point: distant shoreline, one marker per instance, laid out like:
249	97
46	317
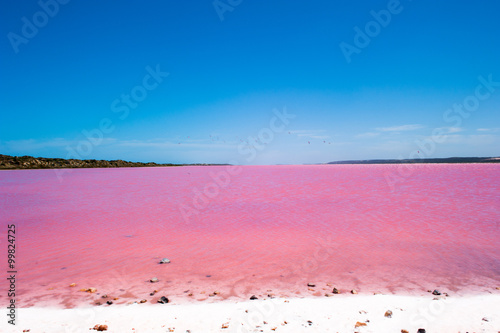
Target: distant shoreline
424	160
8	162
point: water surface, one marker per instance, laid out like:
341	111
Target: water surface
265	230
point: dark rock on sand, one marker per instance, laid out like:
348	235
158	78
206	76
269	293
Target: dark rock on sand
253	297
388	314
109	302
312	285
154	280
163	300
421	330
436	292
165	261
335	291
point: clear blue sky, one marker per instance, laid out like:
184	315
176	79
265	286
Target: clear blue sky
231	66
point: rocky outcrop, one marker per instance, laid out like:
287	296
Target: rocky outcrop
29	162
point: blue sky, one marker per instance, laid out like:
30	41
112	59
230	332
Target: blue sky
67	68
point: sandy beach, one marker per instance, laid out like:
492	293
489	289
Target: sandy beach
339	313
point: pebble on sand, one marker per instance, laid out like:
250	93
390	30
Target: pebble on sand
165	261
354	291
335	291
436	292
253	297
73	285
388	314
312	285
100	327
163	300
359	324
421	330
154	280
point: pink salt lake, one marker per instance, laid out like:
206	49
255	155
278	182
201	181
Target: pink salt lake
271	228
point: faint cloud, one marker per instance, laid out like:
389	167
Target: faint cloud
40	147
313	134
455	129
490	130
473	140
368	135
400	128
31	145
450	130
168	144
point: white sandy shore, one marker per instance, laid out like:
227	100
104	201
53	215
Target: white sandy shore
339	313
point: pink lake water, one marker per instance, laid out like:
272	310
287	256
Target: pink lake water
268	230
